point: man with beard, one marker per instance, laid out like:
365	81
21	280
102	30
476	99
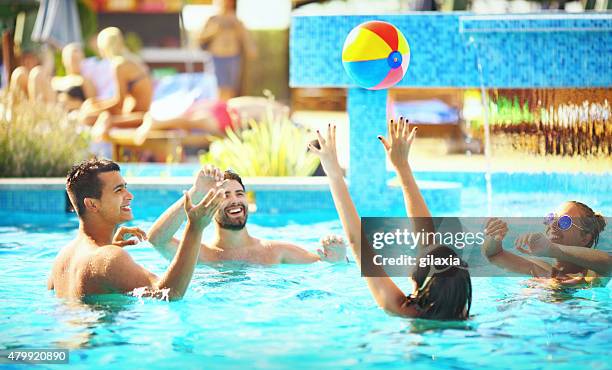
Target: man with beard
232	241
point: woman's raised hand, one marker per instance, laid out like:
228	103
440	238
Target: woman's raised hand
397	144
327	152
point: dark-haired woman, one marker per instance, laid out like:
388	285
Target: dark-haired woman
440	292
570	237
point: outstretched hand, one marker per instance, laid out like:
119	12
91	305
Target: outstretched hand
123	236
397	144
535	244
334	249
327	152
496	229
207	178
203	212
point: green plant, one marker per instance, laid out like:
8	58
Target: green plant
509	112
273	147
37	139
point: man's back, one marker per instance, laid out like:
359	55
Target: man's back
72	276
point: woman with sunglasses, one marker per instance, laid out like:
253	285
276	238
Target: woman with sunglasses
570	237
440	292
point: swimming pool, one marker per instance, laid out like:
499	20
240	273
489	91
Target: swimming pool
308	316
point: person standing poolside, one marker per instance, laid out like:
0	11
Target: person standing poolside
226	38
232	240
95	262
441	292
570	236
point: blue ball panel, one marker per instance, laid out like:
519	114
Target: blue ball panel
368	73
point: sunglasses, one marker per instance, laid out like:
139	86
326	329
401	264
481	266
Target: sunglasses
564	222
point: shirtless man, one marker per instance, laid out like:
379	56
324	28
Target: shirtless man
232	241
95	262
228	41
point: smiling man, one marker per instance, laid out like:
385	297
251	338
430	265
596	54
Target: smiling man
232	241
94	262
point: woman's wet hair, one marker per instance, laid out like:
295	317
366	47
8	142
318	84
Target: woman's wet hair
444	293
593	221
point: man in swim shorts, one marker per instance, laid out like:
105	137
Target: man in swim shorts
95	262
232	240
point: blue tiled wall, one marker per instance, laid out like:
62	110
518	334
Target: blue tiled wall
39	201
528	51
549	50
151	202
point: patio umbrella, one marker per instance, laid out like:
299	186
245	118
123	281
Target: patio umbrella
57	23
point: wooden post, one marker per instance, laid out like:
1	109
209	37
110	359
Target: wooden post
8	55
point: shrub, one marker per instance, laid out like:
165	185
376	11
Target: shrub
272	147
37	139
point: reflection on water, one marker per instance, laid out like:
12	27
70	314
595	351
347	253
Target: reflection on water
87	319
420	326
563	122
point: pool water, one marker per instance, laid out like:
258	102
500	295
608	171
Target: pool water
318	315
295	316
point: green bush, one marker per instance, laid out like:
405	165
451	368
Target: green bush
37	139
273	147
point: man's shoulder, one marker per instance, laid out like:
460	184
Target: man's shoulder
278	243
282	248
277	246
107	255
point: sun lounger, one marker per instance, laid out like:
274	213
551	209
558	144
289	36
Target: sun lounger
160	146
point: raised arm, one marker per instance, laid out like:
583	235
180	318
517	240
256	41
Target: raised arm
386	294
122	274
495	232
539	245
161	235
397	146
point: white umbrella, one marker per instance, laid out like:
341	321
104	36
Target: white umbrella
57	23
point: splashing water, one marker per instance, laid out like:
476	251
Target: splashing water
142	292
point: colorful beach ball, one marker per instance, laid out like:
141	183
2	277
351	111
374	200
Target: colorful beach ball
376	55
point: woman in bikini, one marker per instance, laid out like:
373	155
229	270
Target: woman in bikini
133	88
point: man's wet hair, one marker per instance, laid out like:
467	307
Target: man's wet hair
83	181
231	175
444	295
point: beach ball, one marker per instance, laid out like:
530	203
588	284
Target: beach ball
376	55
